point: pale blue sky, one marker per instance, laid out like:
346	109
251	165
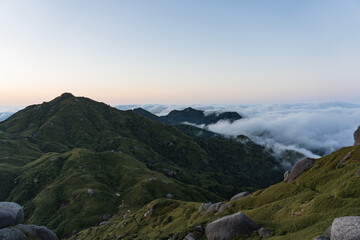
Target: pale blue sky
179	52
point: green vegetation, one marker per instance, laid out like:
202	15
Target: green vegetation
52	154
300	210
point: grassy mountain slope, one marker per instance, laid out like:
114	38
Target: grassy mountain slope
54	188
300	210
69	122
52	153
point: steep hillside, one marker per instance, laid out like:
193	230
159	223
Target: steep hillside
74	162
299	210
81	188
69	122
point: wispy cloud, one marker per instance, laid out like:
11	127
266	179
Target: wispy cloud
311	128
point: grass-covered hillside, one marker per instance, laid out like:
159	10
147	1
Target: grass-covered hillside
300	210
81	188
51	154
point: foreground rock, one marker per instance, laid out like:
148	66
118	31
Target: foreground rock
300	167
11	234
263	232
346	228
40	232
357	137
230	226
11	217
239	195
10	214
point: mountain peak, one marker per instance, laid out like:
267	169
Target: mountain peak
66	95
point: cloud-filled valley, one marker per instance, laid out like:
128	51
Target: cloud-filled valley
311	128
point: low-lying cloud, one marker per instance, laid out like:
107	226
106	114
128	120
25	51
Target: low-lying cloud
313	129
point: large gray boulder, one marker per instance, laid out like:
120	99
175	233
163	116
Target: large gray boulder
300	167
346	228
40	232
10	214
239	195
11	234
357	137
230	226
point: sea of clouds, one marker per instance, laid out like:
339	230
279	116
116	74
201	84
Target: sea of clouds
314	129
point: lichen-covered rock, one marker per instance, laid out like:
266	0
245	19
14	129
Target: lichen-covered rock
239	195
11	234
40	232
300	167
357	137
230	226
263	232
10	214
346	228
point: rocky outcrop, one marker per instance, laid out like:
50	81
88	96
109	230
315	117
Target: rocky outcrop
211	208
230	226
11	217
357	137
10	214
300	167
346	228
40	232
12	234
264	233
239	195
347	156
204	206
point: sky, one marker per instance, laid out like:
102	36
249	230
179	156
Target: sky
180	52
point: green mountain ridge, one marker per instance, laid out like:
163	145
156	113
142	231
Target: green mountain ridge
51	154
190	115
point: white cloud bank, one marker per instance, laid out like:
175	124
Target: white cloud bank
311	128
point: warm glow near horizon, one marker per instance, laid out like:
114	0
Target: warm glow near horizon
179	52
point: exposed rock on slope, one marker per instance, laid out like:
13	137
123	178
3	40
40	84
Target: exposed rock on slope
300	167
239	195
346	228
230	226
357	137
